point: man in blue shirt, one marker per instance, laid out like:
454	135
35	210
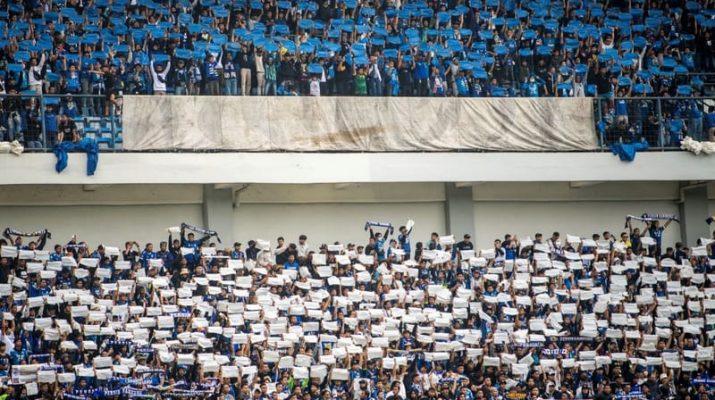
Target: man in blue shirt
380	243
291	263
422	75
236	253
531	88
147	254
404	239
191	243
165	255
433	244
656	232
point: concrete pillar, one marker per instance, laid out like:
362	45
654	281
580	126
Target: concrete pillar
693	211
459	210
217	210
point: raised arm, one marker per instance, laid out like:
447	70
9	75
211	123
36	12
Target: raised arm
43	240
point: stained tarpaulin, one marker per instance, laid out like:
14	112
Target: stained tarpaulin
358	123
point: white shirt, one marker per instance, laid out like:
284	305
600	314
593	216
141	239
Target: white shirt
303	250
160	84
37	69
315	88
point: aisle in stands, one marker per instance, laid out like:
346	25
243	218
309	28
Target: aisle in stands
553	317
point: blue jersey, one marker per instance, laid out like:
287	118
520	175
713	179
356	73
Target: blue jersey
380	248
621	107
405	244
191	258
656	234
293	266
146	256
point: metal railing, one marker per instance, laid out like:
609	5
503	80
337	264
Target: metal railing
33	120
662	122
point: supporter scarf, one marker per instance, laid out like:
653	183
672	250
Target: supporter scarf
652	217
189	393
132	392
129	381
145	350
181	315
41	232
553	352
709	382
564	339
153	371
119	343
201	230
73	397
85	392
633	396
388	225
710	219
529	344
110	393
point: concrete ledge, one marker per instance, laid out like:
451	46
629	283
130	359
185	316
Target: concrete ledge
211	168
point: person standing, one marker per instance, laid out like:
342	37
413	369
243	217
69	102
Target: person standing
260	73
246	62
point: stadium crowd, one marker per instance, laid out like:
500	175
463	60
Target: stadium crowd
479	48
607	317
476	48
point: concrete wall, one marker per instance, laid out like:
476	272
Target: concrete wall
112	225
577	209
583	218
328	212
101	214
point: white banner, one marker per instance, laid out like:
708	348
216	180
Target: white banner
358	123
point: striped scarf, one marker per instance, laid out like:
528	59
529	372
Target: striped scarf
201	230
652	217
41	232
388	225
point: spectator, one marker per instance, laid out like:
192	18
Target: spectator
159	77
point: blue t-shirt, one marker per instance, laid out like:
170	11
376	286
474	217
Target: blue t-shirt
405	244
421	70
621	107
710	120
293	266
146	256
656	234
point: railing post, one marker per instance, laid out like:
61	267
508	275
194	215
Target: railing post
601	140
42	121
661	129
112	115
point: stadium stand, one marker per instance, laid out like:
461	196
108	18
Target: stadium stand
239	114
490	48
101	50
557	317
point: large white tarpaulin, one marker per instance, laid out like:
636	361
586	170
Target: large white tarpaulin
358	123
